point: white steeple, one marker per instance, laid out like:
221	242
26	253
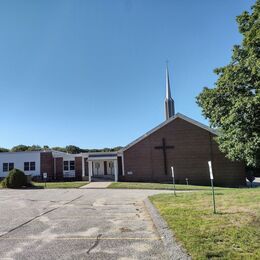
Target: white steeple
168	90
169	103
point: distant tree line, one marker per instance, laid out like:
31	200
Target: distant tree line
68	149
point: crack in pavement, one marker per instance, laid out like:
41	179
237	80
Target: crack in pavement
38	216
53	201
95	244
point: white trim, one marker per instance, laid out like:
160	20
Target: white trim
90	170
116	170
83	166
21	152
123	164
178	115
102	158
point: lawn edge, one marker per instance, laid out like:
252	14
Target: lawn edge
155	189
174	249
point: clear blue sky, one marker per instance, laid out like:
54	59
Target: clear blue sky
92	73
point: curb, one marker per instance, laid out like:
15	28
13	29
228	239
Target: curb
174	250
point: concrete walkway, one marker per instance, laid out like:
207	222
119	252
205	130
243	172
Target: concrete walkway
97	185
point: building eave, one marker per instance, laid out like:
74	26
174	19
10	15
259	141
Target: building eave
178	115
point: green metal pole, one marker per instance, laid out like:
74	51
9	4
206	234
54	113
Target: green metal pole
213	196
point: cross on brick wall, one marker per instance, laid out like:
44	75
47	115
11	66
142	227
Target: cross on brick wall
164	148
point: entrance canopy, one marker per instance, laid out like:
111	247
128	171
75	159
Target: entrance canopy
103	165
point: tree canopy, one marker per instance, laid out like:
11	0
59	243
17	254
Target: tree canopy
233	105
3	150
68	149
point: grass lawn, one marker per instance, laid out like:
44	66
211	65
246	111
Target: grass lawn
232	233
156	186
60	185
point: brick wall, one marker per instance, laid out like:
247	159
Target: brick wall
59	168
78	168
47	164
193	148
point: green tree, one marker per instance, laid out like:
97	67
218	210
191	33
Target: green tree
60	149
72	149
233	105
3	150
19	148
34	148
46	147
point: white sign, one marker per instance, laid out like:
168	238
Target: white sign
210	170
172	172
45	175
69	174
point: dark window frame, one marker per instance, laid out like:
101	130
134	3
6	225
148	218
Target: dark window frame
72	165
10	166
32	166
26	166
5	167
65	165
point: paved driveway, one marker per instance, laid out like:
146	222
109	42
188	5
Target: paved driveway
77	224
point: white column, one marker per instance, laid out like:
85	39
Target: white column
116	170
83	167
123	165
89	170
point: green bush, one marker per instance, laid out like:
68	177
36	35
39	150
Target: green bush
15	179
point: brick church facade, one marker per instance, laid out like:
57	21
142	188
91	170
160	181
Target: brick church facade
192	145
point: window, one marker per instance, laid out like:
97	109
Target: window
11	166
111	165
68	165
65	165
32	166
8	167
29	166
5	167
26	166
72	165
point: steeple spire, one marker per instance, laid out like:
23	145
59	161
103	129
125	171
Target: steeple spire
168	90
169	103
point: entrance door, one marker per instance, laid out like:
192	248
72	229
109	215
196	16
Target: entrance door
98	168
110	168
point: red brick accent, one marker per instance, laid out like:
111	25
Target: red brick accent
47	164
193	148
78	168
59	168
119	163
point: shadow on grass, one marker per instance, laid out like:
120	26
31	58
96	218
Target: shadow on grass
28	187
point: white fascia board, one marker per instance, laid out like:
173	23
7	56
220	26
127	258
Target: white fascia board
102	158
178	115
20	152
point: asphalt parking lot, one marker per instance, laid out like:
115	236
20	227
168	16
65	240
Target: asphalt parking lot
77	224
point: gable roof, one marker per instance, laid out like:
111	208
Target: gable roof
178	115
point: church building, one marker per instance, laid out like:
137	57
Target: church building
179	142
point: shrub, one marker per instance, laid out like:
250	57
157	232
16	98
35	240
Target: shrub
15	179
